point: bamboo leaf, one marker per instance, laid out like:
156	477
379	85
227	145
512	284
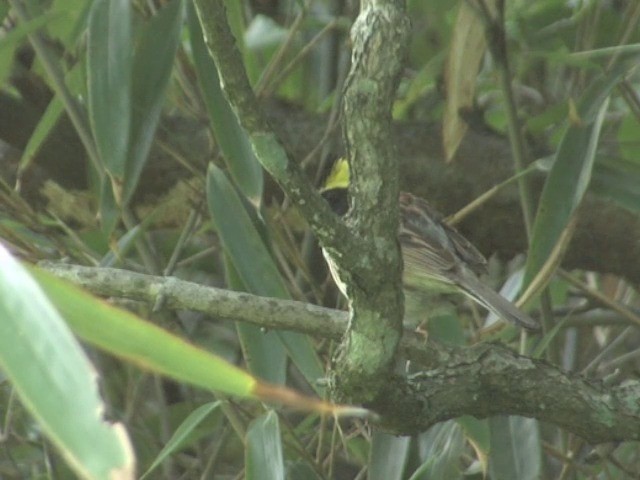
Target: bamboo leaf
55	380
109	50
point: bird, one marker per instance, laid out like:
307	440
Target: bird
437	259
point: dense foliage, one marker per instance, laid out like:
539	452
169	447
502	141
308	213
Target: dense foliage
119	149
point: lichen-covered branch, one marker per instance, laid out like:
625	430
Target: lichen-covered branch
379	37
481	380
371	255
489	379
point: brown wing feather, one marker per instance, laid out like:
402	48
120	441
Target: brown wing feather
439	258
422	225
451	259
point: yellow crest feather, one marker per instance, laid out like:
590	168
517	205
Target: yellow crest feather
339	175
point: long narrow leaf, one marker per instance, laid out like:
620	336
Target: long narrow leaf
570	175
241	239
126	336
109	50
48	120
177	440
13	38
619	181
468	45
388	456
153	62
264	449
262	350
148	346
255	267
516	450
229	135
55	380
440	448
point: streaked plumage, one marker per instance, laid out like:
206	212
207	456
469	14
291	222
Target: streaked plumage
437	259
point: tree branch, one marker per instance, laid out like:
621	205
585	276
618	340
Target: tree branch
329	230
379	37
489	379
481	380
179	294
372	254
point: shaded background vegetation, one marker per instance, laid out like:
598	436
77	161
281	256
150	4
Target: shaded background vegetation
168	216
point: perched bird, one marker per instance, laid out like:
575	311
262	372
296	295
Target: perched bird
437	259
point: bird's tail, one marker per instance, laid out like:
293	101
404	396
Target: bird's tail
496	303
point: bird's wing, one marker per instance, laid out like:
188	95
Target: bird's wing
425	235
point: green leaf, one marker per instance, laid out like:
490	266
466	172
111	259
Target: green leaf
230	136
4	10
123	246
178	438
478	430
153	62
516	449
439	448
570	174
388	456
444	325
142	343
255	268
109	49
299	470
462	67
240	238
263	351
628	134
263	456
55	380
626	51
46	123
109	212
478	433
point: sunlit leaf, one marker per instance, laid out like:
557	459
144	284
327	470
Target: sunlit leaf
124	335
55	380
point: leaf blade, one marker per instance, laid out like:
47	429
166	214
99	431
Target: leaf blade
54	379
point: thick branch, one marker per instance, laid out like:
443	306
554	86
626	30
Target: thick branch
381	33
489	379
379	37
481	380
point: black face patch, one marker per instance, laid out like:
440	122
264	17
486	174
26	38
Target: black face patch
338	200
